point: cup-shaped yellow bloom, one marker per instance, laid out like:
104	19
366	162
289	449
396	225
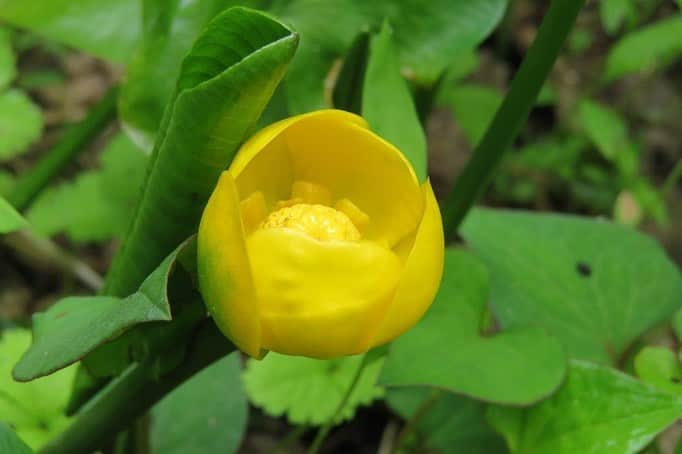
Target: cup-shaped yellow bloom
319	240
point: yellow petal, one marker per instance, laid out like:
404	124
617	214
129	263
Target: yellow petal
421	275
356	164
224	270
335	149
320	298
263	164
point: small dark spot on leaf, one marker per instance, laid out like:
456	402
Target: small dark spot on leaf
60	315
583	269
43	425
675	380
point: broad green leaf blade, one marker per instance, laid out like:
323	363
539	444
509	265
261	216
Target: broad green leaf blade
448	423
661	368
473	106
387	103
100	27
447	351
604	127
598	410
429	34
8	68
595	285
205	414
109	193
169	29
10	220
308	391
75	326
35	410
647	49
21	123
224	84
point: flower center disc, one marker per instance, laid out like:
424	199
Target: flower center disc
318	221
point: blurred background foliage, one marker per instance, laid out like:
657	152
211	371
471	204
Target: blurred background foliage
603	140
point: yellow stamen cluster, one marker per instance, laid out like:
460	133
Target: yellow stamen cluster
318	221
306	211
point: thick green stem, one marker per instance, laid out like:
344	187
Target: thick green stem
324	430
134	392
512	113
74	140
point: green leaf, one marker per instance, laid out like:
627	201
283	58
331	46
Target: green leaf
309	390
11	443
35	410
647	49
429	34
109	193
223	86
598	410
595	285
102	28
614	12
8	68
10	220
205	414
661	368
604	127
21	123
447	351
348	86
447	422
387	103
75	326
169	29
473	106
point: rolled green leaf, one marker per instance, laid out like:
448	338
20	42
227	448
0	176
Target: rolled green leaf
224	84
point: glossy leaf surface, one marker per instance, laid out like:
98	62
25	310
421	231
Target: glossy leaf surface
446	349
597	410
594	285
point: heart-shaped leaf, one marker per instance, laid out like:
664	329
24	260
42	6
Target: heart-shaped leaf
447	350
309	390
598	410
594	285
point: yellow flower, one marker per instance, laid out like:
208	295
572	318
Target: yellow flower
319	240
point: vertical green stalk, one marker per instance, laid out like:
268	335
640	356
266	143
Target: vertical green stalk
324	430
74	141
513	112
